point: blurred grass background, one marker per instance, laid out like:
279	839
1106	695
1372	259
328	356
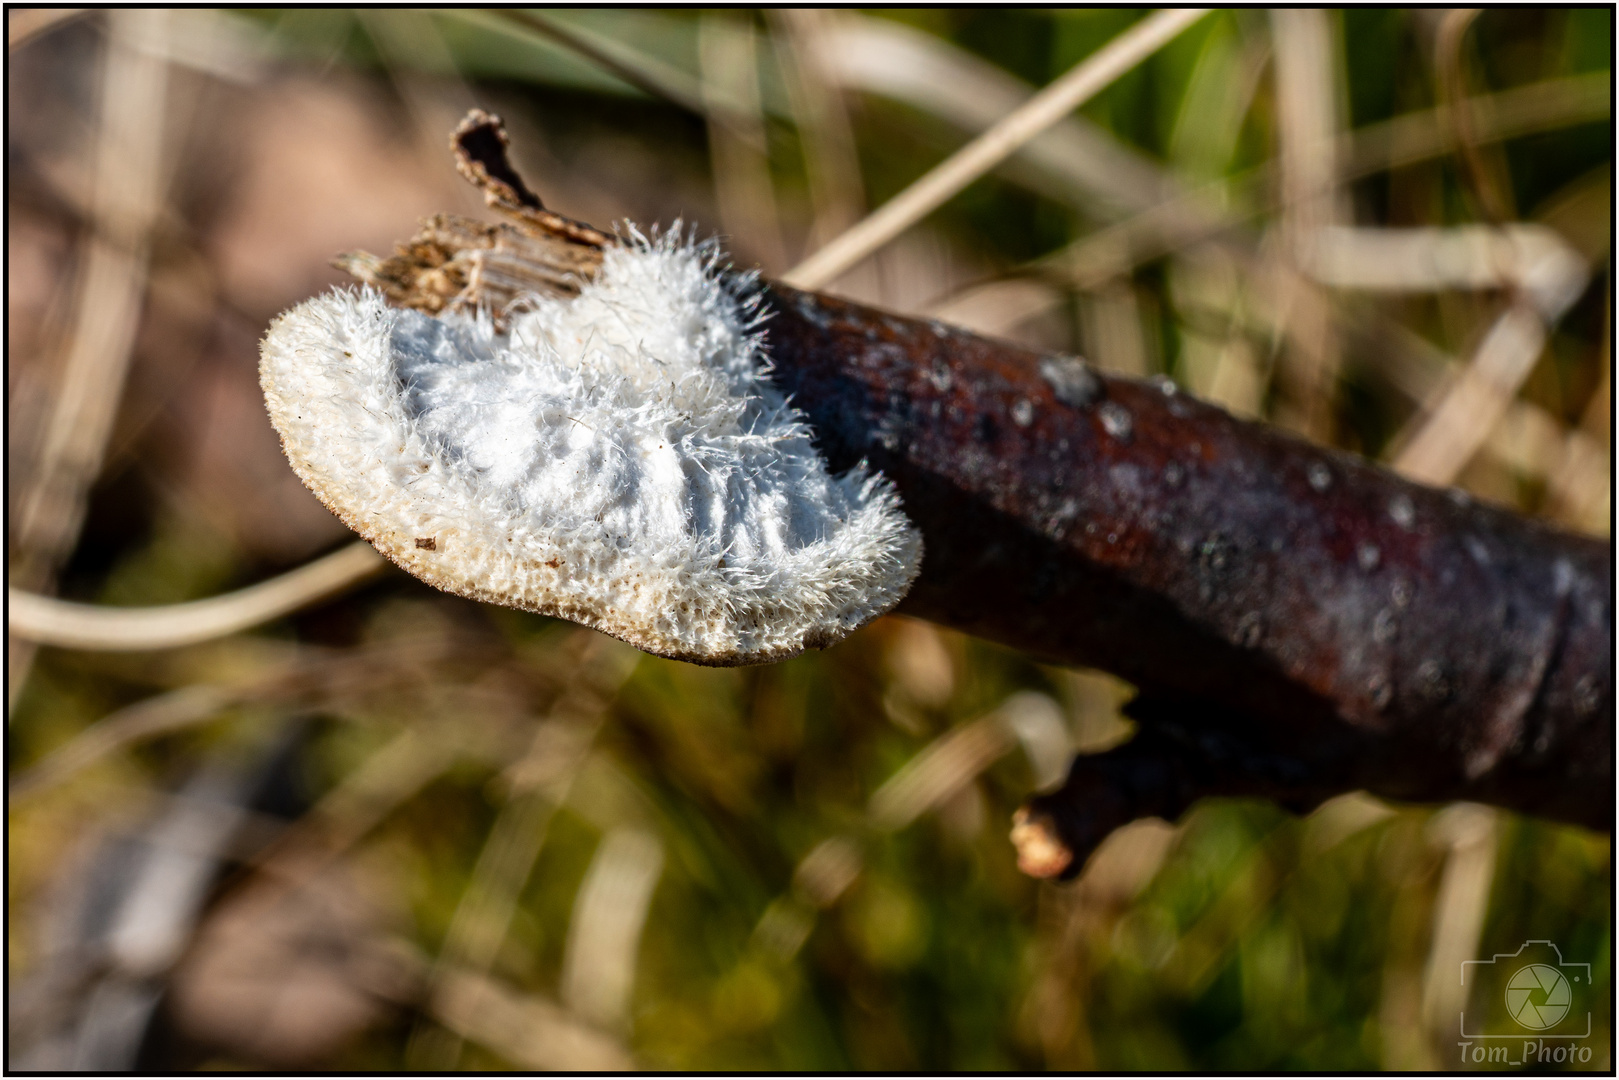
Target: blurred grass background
462	837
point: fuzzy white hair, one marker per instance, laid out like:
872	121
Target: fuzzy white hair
620	458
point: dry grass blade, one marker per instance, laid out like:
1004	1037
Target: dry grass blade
160	715
929	780
652	79
1469	410
1038	723
305	679
541	781
1194	216
483	916
1307	126
727	53
107	629
938	771
1531	257
1073	161
1523	110
993	308
1468	833
837	191
526	1030
598	966
1546	277
819	880
126	200
1450	63
647	74
1064	95
1307	120
1581	488
953	760
360	801
422	68
1528	439
829	869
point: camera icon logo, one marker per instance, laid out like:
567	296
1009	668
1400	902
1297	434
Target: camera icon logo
1530	1008
1538	996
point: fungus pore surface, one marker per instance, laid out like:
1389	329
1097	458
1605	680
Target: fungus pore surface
619	458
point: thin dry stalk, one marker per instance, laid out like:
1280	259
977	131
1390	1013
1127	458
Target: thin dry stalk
164	714
1198	215
994	308
1532	258
1451	434
1074	161
527	1030
1449	65
1523	110
127	198
1061	97
560	746
1528	439
938	771
836	188
306	679
94	627
1079	162
727	52
1113	328
483	917
422	69
609	912
642	72
126	202
1307	129
645	73
929	781
360	802
1467	831
1581	489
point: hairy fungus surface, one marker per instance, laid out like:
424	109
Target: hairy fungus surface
618	457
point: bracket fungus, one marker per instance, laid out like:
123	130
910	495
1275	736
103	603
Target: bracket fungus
540	415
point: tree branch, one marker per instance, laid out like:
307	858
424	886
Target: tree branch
1300	623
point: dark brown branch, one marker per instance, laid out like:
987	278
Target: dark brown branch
1300	623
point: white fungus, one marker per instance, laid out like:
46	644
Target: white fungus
619	458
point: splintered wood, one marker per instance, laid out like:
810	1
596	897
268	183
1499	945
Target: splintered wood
456	263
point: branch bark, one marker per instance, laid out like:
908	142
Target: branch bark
1300	623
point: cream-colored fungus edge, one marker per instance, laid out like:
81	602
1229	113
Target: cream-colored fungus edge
619	458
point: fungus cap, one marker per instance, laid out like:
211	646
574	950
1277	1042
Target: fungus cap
619	458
